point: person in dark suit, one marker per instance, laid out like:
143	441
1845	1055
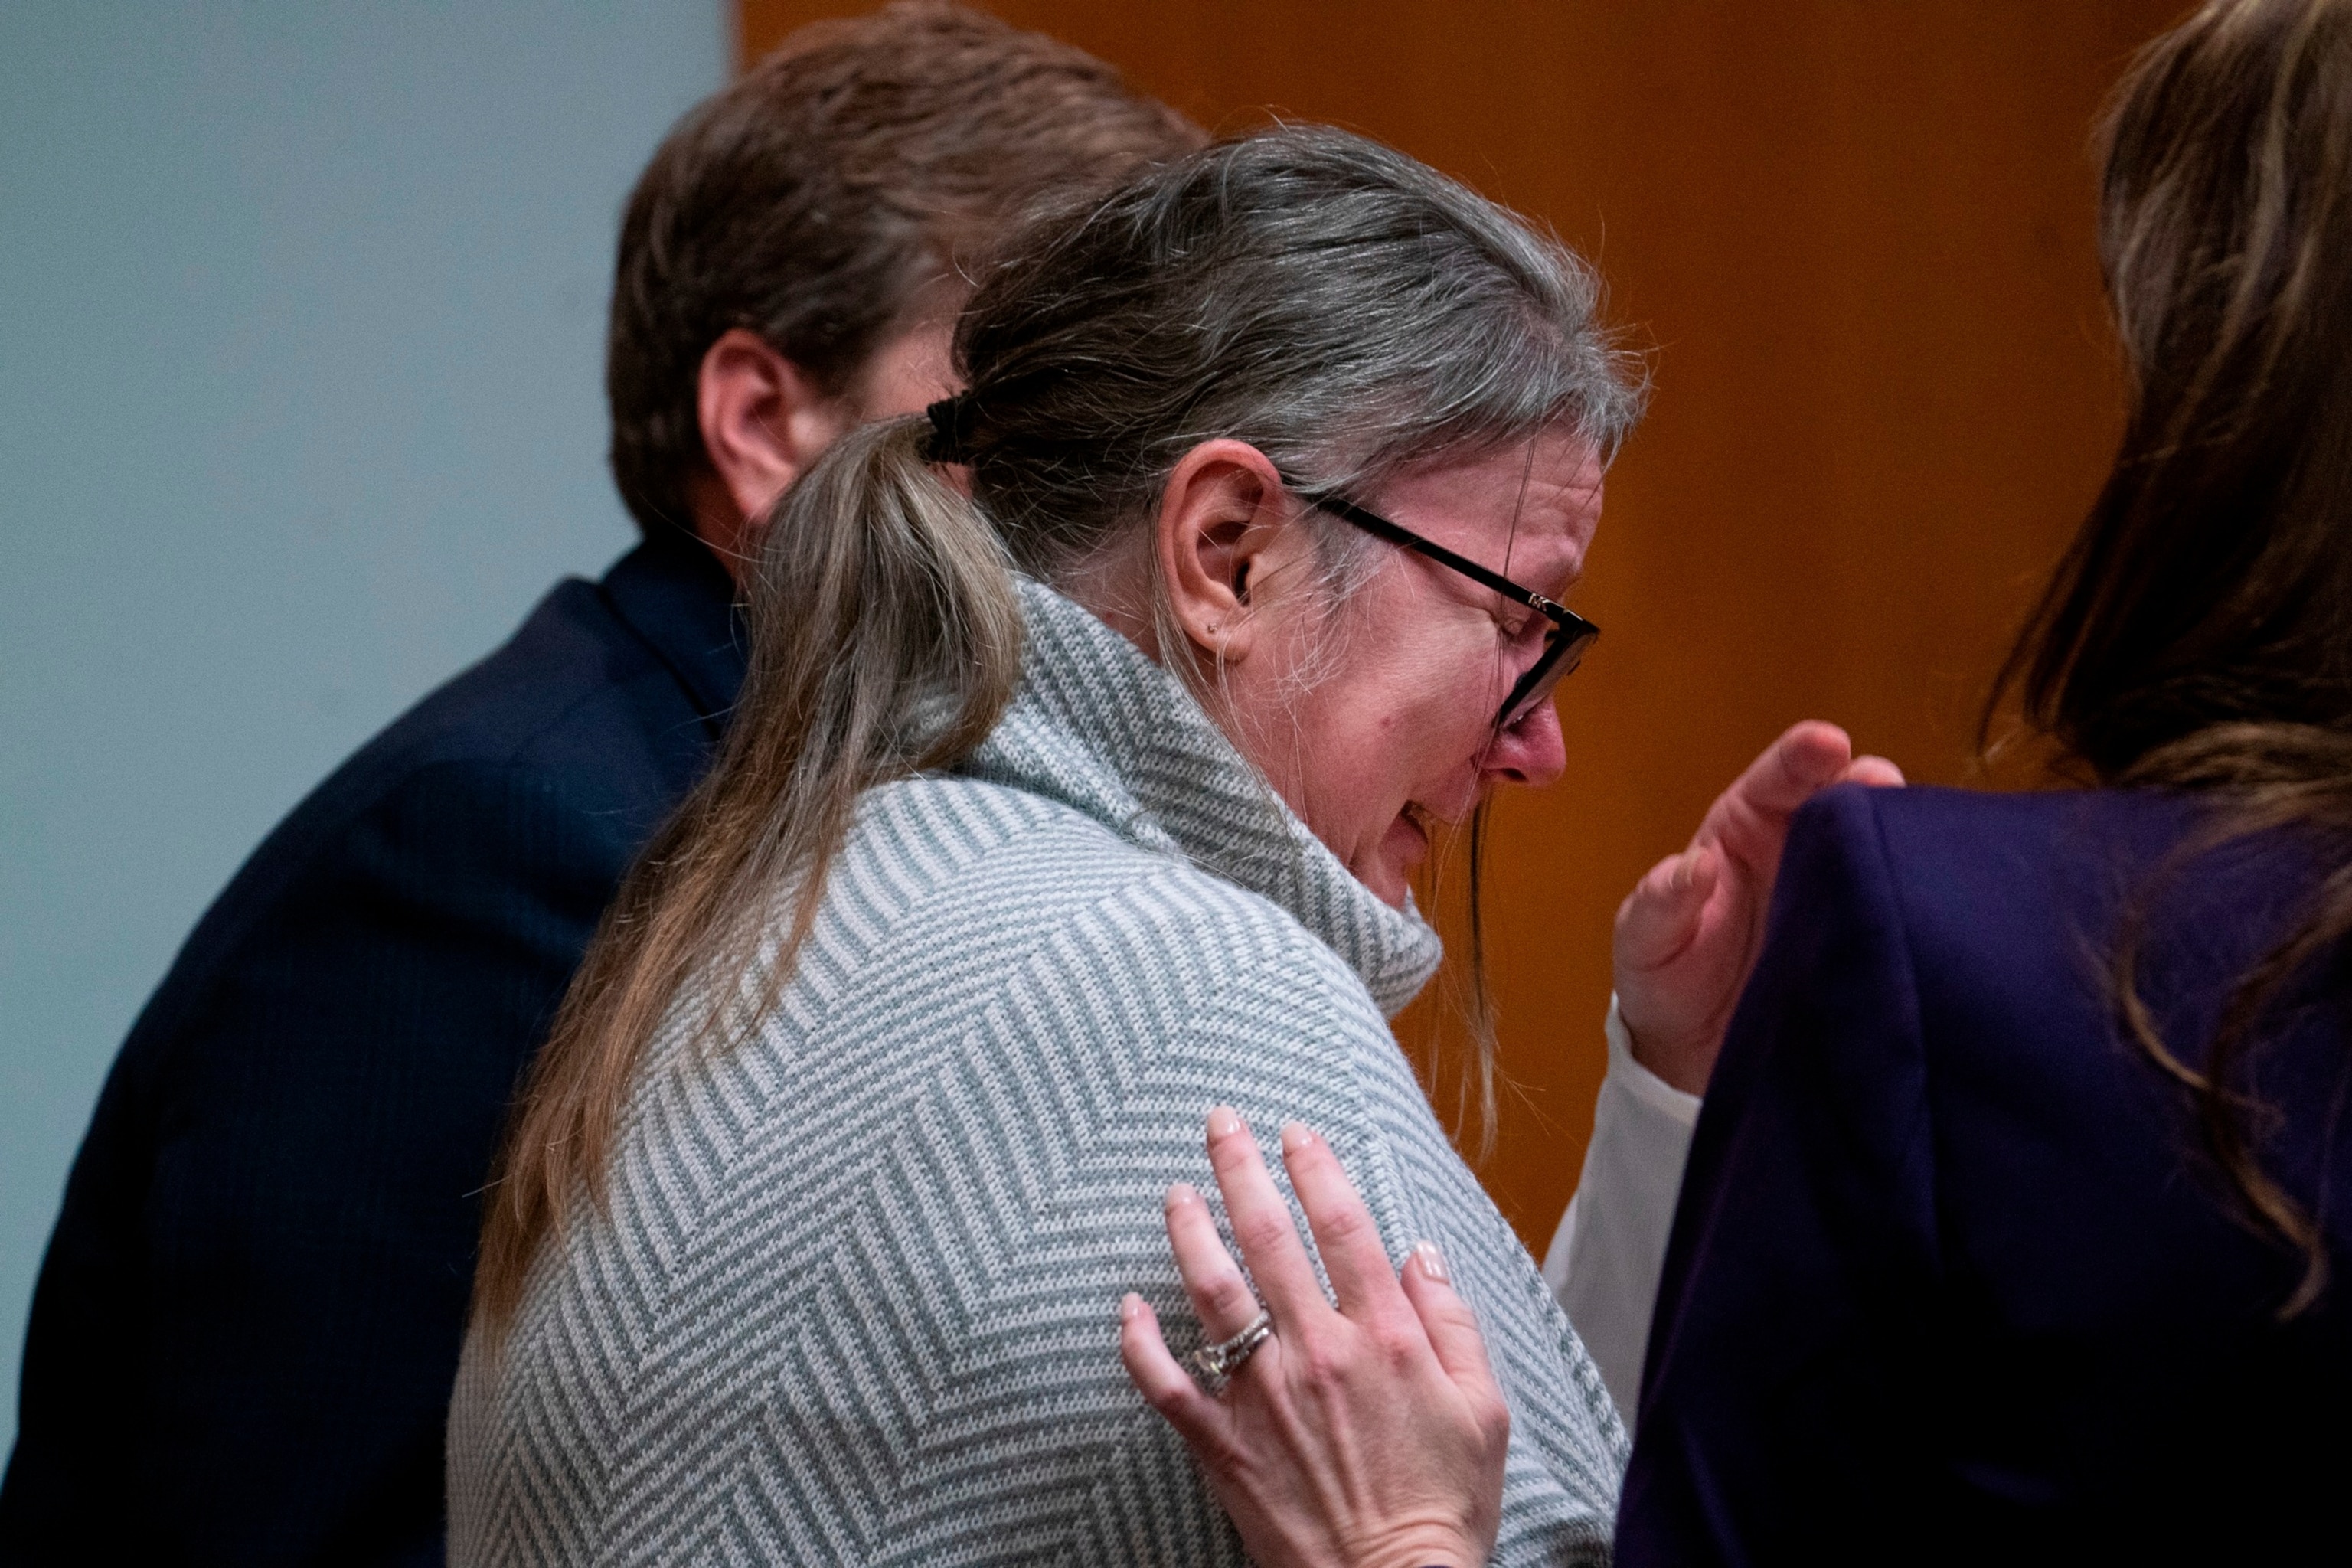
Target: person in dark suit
2018	1215
248	1318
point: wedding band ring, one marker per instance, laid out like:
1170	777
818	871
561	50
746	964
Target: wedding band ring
1217	1363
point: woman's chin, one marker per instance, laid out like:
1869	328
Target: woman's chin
1388	870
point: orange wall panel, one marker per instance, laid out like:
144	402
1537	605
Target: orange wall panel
1859	238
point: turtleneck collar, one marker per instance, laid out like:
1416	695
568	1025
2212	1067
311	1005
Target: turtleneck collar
1100	728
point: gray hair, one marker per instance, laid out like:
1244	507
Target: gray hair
1348	310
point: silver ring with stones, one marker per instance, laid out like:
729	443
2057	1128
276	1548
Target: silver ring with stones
1217	1363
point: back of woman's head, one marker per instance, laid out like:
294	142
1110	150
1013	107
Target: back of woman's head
1344	310
2198	634
2211	584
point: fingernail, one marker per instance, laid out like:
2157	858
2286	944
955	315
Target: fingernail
1223	1122
1182	1191
1130	1307
1296	1136
1433	1262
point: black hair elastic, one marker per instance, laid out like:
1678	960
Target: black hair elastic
951	420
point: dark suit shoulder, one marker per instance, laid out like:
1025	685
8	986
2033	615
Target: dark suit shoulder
1953	1265
2096	1269
574	669
574	713
2019	901
252	1304
2017	848
638	668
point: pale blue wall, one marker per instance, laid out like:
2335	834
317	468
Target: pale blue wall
301	331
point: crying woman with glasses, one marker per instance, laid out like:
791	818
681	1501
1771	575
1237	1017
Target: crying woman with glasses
1096	723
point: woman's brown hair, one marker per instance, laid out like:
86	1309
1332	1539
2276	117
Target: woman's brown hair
2197	635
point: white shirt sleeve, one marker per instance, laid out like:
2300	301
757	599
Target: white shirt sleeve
1605	1258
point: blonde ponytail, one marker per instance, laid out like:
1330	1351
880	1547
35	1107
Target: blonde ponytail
885	642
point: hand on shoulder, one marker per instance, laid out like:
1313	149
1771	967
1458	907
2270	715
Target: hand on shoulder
1368	1435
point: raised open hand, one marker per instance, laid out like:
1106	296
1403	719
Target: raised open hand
1366	1435
1688	933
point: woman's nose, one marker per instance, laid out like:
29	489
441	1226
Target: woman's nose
1532	751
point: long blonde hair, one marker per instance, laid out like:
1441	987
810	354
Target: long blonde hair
919	590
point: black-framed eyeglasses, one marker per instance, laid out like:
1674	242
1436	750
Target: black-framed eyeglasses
1571	633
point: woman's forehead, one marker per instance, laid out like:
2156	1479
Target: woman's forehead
1544	493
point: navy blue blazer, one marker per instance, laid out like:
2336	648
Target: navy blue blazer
248	1322
1951	1277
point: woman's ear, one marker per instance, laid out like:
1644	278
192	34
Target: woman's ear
1220	516
763	423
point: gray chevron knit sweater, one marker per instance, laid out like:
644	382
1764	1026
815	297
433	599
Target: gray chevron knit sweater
857	1299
